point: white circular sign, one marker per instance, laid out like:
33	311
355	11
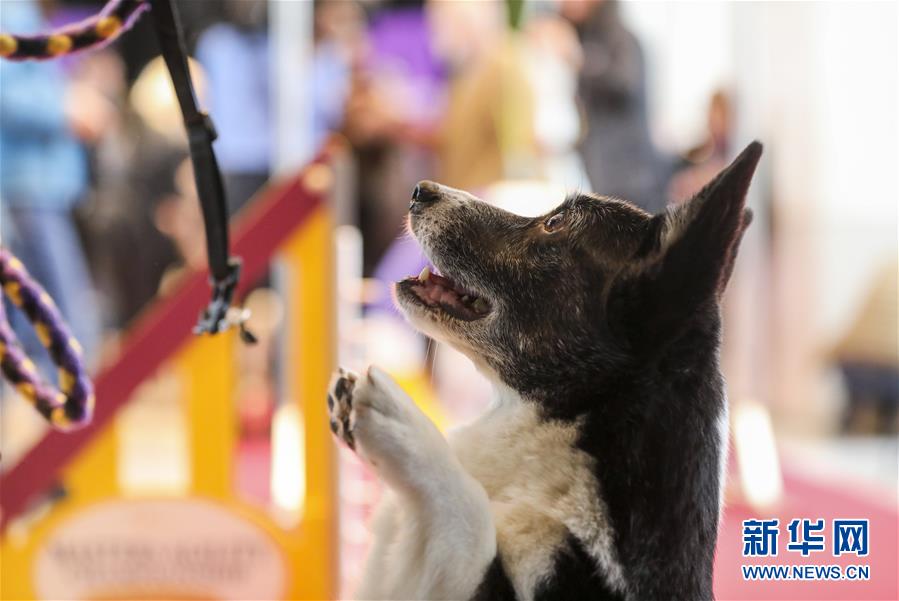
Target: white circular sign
177	549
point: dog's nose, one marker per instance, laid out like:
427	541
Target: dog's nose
425	193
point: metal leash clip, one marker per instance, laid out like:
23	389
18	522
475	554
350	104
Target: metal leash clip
219	315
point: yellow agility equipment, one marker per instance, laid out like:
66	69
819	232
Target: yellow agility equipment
191	534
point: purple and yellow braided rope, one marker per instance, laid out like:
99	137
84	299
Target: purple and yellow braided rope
94	32
72	405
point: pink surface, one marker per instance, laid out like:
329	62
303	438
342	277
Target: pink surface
253	464
806	499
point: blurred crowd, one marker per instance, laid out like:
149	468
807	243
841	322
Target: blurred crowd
98	196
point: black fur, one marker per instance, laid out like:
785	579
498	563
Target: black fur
610	316
496	585
574	578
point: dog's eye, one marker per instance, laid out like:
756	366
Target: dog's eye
554	222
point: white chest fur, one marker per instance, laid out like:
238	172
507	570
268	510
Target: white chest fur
510	482
540	486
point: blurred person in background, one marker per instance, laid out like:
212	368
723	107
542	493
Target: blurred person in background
619	154
512	113
703	161
500	106
235	56
130	166
426	104
488	128
43	175
868	358
395	101
554	58
338	41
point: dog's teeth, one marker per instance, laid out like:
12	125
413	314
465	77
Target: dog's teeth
480	305
425	274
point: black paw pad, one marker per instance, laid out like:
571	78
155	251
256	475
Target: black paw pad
340	406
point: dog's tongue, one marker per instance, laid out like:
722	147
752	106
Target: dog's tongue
434	277
435	288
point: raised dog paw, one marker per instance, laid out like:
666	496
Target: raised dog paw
340	405
369	404
373	416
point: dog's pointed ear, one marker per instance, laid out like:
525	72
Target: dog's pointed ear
688	254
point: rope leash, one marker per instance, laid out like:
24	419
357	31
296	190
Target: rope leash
94	32
71	406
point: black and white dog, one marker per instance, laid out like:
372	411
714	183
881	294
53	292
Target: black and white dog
597	471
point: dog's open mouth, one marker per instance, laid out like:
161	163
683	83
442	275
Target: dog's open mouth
440	292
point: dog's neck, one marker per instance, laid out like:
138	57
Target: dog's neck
622	435
541	485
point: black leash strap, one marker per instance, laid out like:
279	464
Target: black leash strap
116	17
225	270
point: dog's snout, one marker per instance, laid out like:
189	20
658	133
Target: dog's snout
425	193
